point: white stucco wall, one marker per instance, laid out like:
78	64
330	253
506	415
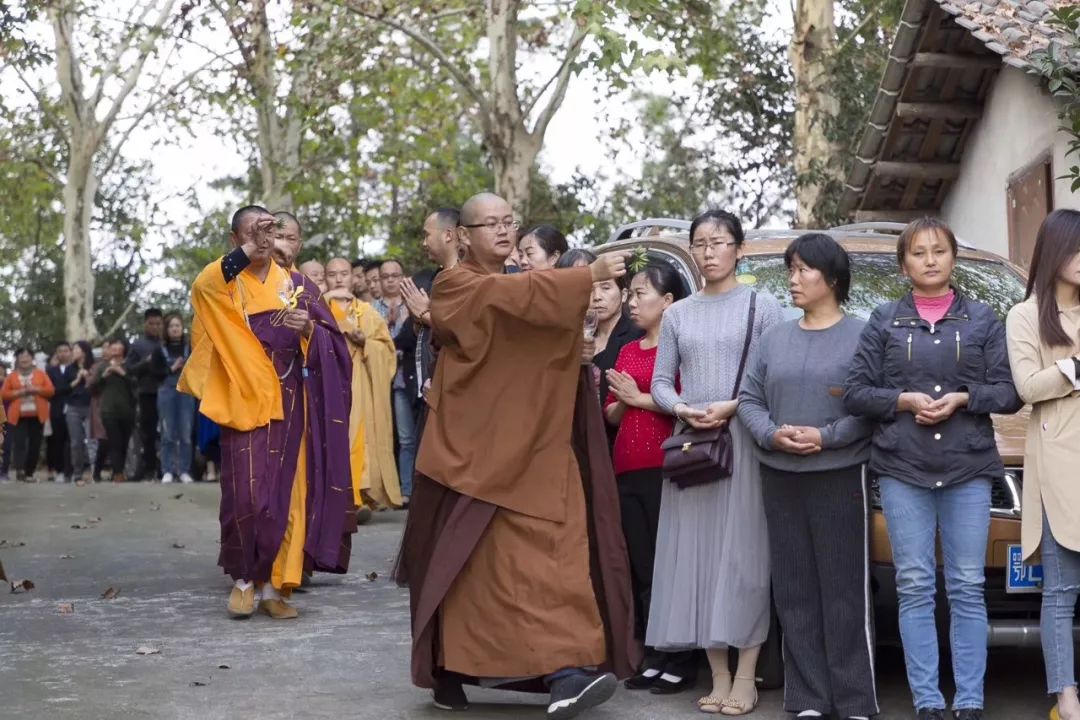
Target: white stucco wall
1019	124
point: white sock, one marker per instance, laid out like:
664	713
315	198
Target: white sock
809	714
270	593
242	584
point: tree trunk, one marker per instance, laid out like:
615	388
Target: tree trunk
80	188
815	155
513	173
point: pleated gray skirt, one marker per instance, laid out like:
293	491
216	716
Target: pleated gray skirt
711	577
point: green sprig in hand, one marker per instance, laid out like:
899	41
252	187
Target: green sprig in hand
639	259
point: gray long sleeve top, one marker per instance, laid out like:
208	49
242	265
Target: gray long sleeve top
701	341
796	377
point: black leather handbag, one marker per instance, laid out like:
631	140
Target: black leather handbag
704	456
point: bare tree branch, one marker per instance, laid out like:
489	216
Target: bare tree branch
114	65
564	74
119	321
131	78
150	107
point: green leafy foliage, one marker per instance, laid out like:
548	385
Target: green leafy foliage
1059	65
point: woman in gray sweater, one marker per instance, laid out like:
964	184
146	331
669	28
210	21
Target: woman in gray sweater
711	574
812	453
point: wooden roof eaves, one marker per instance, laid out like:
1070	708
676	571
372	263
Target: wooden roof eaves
905	45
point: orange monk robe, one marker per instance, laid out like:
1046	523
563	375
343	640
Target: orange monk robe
237	384
524	604
374	365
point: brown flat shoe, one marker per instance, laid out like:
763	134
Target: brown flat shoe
242	602
278	609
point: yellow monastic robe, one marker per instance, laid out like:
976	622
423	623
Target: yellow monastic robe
237	385
374	365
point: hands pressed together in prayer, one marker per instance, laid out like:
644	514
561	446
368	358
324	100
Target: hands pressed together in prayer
797	440
416	299
927	410
625	389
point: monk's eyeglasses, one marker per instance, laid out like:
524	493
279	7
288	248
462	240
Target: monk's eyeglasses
495	225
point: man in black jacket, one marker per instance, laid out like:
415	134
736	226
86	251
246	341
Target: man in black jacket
139	364
57	448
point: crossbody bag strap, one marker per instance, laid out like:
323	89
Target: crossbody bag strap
746	344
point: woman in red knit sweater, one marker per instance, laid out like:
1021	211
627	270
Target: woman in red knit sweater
639	460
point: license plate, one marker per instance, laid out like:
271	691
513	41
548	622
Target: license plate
1022	577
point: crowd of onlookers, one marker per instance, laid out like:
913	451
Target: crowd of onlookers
85	414
112	412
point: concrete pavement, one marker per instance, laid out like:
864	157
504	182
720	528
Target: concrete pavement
347	655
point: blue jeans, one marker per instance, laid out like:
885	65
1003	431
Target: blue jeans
1061	587
176	413
405	424
914	516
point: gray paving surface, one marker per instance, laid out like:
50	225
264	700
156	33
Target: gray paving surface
347	656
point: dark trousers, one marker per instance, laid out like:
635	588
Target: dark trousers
26	444
118	429
639	499
5	463
58	446
148	436
819	538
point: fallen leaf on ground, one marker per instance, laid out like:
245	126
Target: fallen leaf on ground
177	496
110	593
178	545
2	575
93	497
130	511
147	650
155	507
372	576
65	556
223	666
79	526
21	586
65	608
197	683
93	520
6	544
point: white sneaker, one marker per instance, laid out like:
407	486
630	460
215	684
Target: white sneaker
186	479
59	478
166	478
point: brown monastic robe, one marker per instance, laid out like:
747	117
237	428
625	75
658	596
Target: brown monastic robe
513	549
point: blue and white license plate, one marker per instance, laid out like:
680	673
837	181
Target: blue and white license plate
1022	577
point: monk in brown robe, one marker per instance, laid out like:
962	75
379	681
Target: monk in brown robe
513	550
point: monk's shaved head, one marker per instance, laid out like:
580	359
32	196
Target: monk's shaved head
311	266
339	274
473	211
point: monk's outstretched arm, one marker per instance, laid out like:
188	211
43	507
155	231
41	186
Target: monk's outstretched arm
557	298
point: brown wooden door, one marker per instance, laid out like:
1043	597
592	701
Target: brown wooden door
1030	198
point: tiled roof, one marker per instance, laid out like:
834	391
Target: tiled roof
942	65
1013	29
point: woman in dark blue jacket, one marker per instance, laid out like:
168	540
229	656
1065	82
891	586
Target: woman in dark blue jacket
930	369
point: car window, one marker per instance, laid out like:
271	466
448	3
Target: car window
875	280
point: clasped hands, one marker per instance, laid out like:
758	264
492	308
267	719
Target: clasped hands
713	417
797	440
927	410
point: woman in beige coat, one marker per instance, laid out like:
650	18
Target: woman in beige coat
1044	345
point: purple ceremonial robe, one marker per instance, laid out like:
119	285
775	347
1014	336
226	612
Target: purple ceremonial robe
258	466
